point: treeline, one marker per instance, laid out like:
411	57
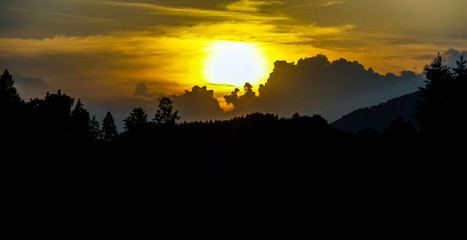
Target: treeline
59	128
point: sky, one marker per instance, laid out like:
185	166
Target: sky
100	51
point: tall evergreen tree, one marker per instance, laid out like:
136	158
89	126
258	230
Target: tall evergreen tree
8	93
80	123
460	70
95	128
137	118
108	127
9	97
435	99
10	109
165	113
459	101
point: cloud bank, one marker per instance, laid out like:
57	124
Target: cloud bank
317	85
312	85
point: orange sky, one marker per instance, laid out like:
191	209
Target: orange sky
105	48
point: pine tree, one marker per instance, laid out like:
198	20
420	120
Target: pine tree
458	99
137	119
108	127
460	70
435	99
165	114
10	109
80	123
95	128
8	93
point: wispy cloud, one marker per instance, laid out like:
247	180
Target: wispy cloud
81	17
196	12
327	4
60	14
315	4
249	5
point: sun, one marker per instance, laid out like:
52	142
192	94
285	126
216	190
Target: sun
234	63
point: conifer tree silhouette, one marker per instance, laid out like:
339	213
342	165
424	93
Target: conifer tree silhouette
108	127
10	108
458	99
8	93
165	113
434	99
440	108
137	118
95	128
80	123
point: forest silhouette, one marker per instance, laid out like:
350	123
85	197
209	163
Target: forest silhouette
56	137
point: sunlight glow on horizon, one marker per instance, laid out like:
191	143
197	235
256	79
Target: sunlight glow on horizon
234	63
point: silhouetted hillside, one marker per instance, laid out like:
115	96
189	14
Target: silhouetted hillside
380	116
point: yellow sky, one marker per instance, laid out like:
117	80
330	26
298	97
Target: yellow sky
105	48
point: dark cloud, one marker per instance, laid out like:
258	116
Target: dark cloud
244	100
30	87
451	56
142	90
198	104
232	98
317	85
30	81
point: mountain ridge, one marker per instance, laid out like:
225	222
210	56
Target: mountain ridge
378	117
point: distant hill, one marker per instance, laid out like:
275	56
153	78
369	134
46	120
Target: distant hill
380	116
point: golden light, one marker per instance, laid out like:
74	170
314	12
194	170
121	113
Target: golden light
234	63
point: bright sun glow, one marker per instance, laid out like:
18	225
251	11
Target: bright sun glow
235	63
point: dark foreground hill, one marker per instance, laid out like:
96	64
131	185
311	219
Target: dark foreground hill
380	116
